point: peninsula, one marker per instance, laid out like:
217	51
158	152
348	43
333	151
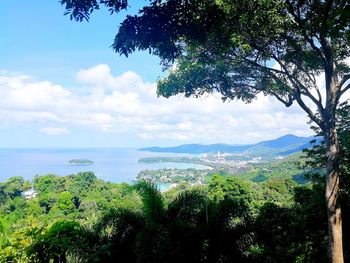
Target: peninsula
80	162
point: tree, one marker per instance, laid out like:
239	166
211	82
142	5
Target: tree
65	203
12	187
242	48
192	228
316	161
60	240
316	156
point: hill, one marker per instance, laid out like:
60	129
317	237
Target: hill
284	145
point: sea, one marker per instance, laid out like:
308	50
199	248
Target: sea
113	165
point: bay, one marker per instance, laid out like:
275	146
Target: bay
114	165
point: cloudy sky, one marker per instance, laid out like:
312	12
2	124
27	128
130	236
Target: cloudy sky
61	85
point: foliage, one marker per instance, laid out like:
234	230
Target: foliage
60	240
315	156
229	46
288	167
191	229
79	218
242	48
227	220
81	197
315	161
13	188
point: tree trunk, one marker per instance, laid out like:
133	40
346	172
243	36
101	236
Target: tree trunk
332	197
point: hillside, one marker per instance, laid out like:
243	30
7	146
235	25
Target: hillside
284	145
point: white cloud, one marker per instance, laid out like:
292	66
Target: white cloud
126	104
54	131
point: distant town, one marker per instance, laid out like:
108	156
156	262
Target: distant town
212	163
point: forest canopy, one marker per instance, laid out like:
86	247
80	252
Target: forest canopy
239	49
82	218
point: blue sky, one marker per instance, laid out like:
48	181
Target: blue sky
61	85
37	39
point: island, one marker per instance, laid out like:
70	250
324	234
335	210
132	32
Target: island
80	162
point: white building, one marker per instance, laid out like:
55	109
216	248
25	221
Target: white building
29	194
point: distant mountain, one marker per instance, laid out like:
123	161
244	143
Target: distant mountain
286	141
284	145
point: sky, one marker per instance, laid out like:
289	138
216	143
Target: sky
61	85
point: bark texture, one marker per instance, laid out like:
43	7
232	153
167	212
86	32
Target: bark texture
332	167
332	198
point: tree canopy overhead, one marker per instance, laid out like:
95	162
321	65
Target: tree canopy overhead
240	48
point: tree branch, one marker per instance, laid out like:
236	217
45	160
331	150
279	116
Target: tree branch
346	88
294	81
301	88
311	114
318	94
343	81
318	102
341	84
287	103
268	70
304	32
253	63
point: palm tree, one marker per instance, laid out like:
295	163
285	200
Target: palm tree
192	228
118	231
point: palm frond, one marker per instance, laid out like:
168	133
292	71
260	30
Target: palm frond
189	206
152	201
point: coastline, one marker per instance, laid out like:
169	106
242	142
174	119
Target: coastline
113	165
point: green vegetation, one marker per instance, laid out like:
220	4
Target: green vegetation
247	169
286	144
174	176
79	218
179	159
289	167
240	49
80	197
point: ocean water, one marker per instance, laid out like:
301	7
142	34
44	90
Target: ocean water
114	165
